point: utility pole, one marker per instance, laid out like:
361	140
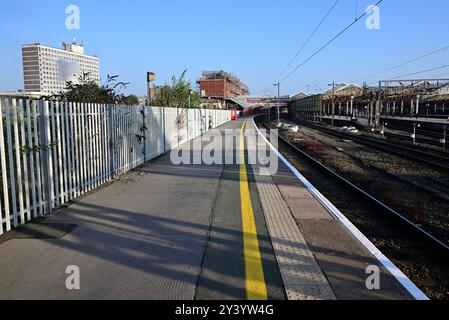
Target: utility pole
279	102
378	107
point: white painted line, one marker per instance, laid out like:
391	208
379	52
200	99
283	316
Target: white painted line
390	266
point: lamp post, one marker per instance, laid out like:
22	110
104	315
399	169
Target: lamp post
279	100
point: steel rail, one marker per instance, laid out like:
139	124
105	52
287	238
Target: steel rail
394	149
412	226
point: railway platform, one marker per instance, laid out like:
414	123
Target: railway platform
199	232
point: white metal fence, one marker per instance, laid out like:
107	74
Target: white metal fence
53	152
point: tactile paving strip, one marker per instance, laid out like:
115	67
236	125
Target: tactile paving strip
302	276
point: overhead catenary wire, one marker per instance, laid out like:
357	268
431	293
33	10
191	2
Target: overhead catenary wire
442	74
420	72
329	42
404	63
309	38
401	77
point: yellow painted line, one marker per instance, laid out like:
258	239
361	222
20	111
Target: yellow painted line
256	288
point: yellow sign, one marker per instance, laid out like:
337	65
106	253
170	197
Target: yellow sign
151	76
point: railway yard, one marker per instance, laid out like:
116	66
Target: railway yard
393	190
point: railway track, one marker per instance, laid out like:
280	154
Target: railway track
431	138
421	156
405	138
437	135
378	205
437	188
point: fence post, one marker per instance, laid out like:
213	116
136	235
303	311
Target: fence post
111	141
178	124
188	118
163	110
144	133
46	160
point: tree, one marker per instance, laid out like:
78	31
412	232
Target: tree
131	100
87	90
177	94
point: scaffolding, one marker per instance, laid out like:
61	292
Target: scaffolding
238	86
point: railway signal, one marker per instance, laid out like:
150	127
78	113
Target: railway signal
384	125
413	136
443	141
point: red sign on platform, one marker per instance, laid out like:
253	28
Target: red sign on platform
233	115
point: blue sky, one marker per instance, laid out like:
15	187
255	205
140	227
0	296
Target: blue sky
252	39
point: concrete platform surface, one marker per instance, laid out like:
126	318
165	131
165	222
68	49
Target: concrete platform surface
192	232
341	257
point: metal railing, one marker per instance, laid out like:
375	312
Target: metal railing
54	152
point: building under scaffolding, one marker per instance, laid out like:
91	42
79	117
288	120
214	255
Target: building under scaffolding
220	84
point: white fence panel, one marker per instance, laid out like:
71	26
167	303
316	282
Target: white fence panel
171	132
5	209
154	143
182	125
192	128
54	152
